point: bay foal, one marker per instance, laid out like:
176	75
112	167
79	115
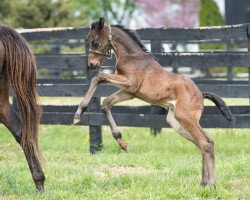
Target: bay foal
18	72
139	75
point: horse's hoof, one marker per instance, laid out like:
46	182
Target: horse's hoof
76	121
206	184
203	184
40	186
125	148
123	145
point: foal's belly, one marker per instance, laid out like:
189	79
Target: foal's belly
157	96
166	103
156	90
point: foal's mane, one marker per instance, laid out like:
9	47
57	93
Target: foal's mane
134	36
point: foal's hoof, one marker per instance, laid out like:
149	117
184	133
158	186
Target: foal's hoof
40	186
76	120
78	114
123	145
125	148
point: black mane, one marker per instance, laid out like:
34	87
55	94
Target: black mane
134	36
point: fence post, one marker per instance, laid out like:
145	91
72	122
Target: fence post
229	68
156	47
95	132
248	48
174	49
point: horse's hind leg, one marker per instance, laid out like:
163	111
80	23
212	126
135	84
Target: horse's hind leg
178	128
10	119
208	162
189	120
117	97
172	121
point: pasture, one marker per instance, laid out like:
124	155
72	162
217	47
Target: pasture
162	167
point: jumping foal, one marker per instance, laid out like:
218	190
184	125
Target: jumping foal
139	75
18	72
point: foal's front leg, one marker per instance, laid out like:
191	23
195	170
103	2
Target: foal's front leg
115	79
115	98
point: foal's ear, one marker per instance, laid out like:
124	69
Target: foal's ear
101	23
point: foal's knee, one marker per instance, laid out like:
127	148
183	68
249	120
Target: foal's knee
208	147
105	106
97	79
104	109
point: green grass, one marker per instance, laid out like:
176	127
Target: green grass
162	167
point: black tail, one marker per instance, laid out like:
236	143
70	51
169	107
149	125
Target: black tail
226	112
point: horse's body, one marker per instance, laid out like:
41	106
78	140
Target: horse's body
139	75
18	72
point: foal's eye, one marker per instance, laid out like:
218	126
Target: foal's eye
94	44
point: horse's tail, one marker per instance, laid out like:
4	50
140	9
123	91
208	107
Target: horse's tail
226	112
20	70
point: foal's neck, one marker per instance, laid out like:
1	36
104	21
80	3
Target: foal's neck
124	44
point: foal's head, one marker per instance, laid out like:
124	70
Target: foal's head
99	43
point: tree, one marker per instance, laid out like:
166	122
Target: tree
209	14
5	11
46	13
4	8
37	13
114	11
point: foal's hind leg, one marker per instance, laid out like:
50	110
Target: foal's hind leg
189	121
117	97
10	119
179	129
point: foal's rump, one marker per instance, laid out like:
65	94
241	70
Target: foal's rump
190	95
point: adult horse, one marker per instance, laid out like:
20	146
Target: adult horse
18	72
139	75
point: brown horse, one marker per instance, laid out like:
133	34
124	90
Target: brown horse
18	72
139	75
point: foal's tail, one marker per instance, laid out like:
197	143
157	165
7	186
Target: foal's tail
20	70
226	112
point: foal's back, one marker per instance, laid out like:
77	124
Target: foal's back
161	87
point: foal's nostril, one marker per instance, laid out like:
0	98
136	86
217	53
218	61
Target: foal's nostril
91	65
94	44
94	66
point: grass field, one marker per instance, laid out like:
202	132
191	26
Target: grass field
162	167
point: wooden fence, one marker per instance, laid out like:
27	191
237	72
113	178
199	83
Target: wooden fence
175	48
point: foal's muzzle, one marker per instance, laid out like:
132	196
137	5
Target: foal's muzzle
94	66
